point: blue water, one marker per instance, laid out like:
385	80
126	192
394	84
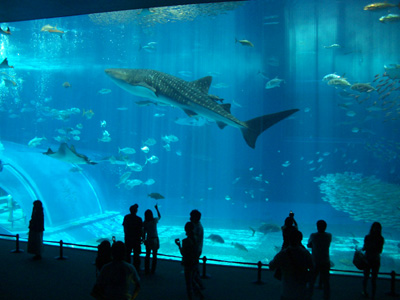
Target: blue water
213	170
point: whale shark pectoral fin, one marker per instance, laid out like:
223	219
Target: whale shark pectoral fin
256	126
190	113
221	125
202	84
144	90
145	85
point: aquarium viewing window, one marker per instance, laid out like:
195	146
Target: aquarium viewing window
243	110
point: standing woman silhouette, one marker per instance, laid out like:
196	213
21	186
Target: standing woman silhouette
36	228
373	246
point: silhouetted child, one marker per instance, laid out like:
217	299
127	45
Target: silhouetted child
296	264
116	277
103	255
190	260
289	226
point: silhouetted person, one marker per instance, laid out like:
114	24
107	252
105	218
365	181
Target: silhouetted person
103	255
36	228
296	265
198	230
133	229
190	260
151	240
320	242
289	226
115	277
373	246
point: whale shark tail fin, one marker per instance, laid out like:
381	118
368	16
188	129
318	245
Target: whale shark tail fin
256	126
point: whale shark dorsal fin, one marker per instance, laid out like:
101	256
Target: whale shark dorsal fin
226	107
203	84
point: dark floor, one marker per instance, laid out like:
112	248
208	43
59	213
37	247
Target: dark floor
27	279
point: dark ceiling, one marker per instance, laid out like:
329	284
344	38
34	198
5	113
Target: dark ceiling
23	10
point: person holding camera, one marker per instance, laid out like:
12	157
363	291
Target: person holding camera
289	226
190	260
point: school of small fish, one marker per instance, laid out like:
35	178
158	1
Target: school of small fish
364	198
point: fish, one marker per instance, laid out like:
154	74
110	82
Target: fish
104	139
216	238
134	166
88	114
150	142
126	150
330	77
380	6
129	184
5	32
156	196
170	138
362	87
124	177
5	65
145	103
53	30
332	46
390	18
9	83
104	91
149	181
36	141
46	28
253	231
192	98
244	42
240	247
340	82
392	71
153	160
267	228
69	155
145	149
273	83
150	47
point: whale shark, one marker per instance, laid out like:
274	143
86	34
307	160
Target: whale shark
193	98
69	154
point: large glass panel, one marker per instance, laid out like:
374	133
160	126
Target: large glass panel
336	159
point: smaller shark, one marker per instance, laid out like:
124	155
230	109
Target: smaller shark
69	155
